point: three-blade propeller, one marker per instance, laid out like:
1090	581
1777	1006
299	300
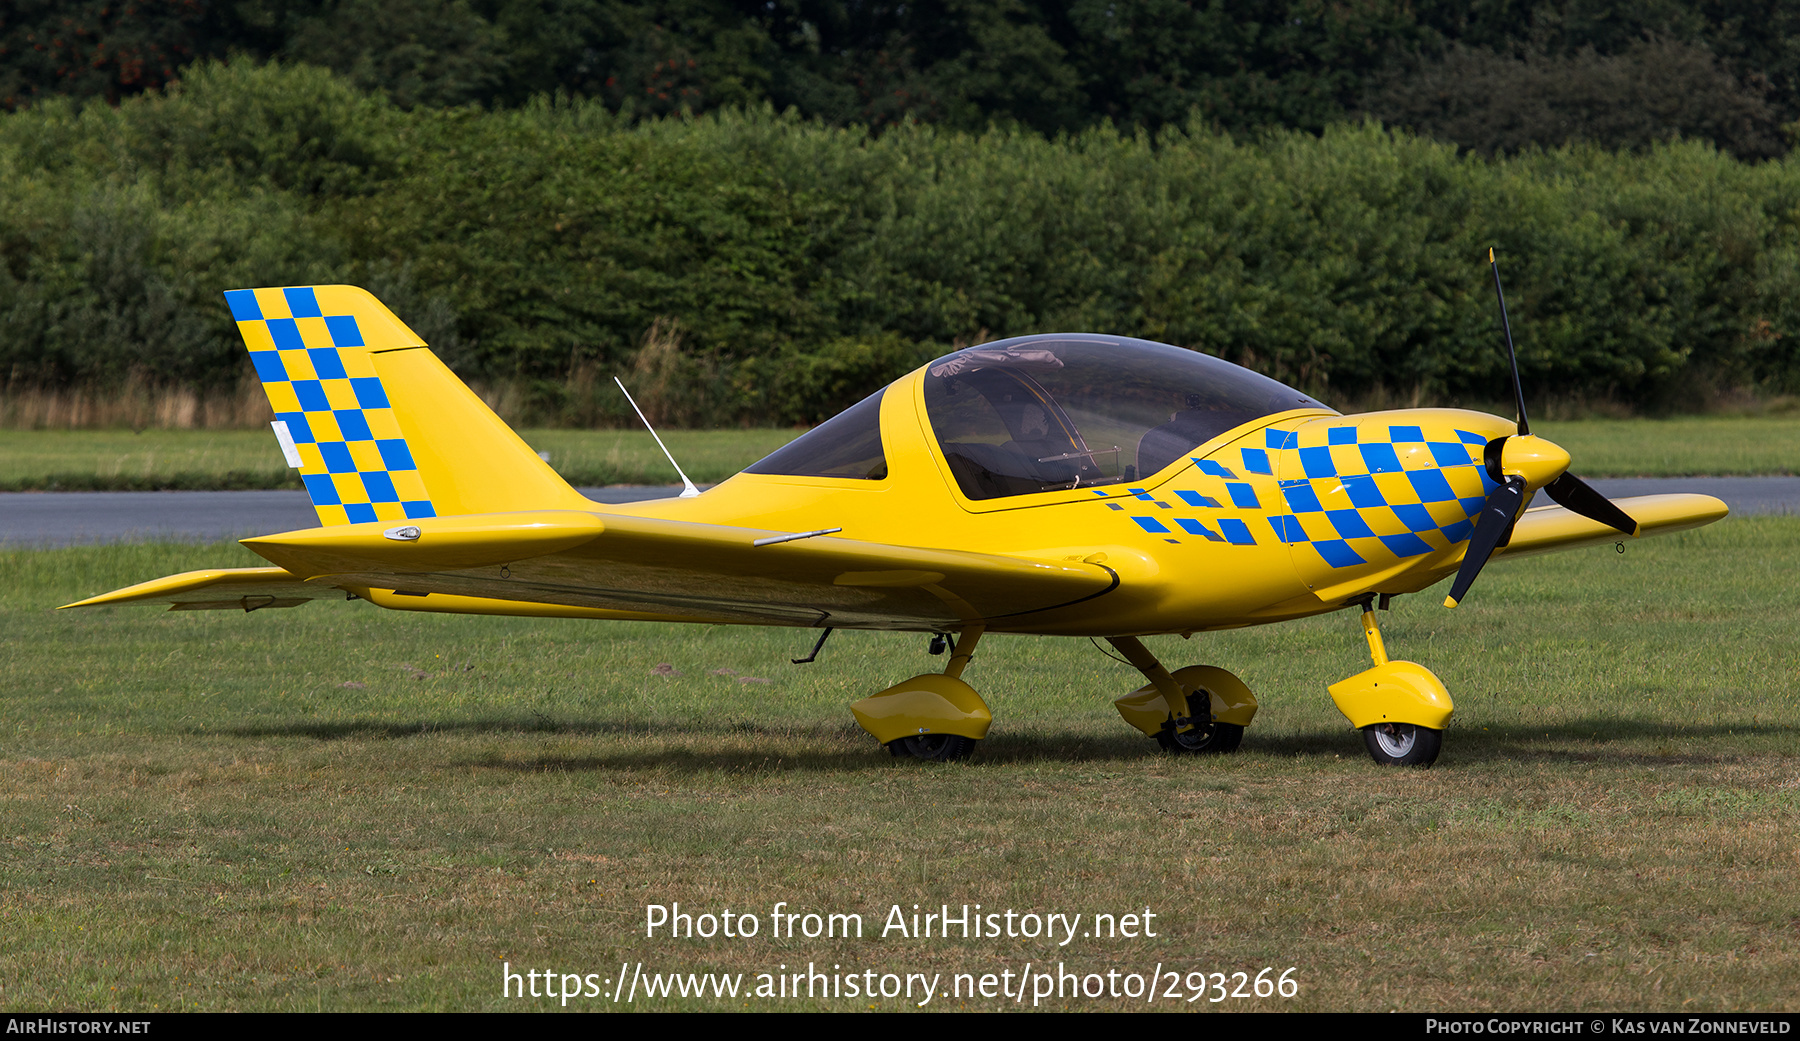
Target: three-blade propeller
1514	471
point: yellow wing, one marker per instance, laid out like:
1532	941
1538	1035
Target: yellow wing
1545	529
580	564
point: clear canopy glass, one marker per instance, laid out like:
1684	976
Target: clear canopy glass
1043	413
846	445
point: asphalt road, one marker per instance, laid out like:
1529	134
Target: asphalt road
48	519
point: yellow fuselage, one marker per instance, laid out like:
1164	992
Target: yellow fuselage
1290	516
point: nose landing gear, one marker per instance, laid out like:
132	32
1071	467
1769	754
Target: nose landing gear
1399	706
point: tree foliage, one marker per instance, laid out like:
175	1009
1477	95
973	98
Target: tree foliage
795	265
1483	74
1654	90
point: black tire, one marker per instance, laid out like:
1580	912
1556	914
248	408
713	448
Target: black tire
939	748
1402	744
1210	739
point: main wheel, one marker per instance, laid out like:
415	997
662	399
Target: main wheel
1202	740
1403	744
942	748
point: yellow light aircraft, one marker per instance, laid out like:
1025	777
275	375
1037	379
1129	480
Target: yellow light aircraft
1072	485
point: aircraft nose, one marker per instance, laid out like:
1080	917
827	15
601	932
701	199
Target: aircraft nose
1525	455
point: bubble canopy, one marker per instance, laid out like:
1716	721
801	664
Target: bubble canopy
1052	412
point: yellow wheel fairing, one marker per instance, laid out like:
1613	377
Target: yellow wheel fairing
1398	692
1230	700
930	704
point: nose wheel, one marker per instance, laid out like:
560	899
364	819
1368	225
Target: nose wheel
1403	744
1399	706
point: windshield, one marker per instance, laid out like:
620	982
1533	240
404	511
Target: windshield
846	445
1042	413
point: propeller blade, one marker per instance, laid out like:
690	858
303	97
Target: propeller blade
1577	496
1496	518
1511	354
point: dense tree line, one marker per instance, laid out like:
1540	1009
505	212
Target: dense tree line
1488	75
751	266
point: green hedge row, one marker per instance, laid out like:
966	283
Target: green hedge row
790	267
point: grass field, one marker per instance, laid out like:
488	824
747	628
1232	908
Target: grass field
81	460
1684	446
337	808
156	460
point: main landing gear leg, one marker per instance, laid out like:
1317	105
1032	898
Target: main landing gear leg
934	716
1399	706
964	651
1185	728
1138	655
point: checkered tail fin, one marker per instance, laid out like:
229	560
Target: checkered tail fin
378	427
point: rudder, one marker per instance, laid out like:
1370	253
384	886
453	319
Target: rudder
379	428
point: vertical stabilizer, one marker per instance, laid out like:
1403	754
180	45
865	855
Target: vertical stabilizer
383	431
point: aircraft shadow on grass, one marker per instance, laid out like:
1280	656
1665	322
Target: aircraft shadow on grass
832	748
691	747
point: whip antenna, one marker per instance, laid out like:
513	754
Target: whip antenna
688	490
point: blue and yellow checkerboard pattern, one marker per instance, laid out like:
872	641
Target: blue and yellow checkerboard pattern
322	383
1363	493
1355	493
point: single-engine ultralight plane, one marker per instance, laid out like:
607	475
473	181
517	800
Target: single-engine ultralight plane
1072	485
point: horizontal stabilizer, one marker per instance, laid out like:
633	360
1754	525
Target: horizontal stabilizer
242	588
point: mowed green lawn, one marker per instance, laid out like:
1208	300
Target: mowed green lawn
197	459
104	460
334	807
